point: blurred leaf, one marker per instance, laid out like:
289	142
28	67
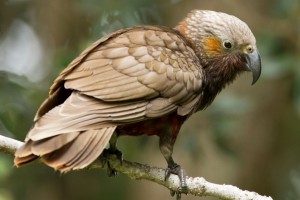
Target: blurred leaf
277	68
283	7
5	195
230	104
294	192
5	167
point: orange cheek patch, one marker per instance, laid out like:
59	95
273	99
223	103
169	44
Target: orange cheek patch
182	27
212	46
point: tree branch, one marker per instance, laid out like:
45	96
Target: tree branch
8	145
196	186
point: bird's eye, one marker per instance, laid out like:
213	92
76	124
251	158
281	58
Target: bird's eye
227	44
250	49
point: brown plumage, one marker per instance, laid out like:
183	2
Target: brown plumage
140	80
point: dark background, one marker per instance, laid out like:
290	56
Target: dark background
249	136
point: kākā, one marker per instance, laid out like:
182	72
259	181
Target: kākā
141	80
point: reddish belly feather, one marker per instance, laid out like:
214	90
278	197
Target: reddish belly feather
153	126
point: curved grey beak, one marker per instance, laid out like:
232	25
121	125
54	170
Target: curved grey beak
254	65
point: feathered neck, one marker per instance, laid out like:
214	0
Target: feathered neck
218	73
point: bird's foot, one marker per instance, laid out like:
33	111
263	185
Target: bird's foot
177	170
104	160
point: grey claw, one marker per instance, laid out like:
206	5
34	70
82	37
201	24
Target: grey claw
103	159
176	169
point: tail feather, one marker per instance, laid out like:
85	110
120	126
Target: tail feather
92	151
24	160
83	149
24	155
66	151
48	145
59	158
24	150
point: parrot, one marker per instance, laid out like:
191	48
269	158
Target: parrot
143	80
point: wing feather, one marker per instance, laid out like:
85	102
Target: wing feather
80	112
146	59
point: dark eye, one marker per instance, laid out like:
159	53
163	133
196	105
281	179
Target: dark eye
227	44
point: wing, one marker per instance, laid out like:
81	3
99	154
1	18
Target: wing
140	73
141	63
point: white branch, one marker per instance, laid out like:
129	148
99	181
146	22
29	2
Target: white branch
8	145
196	186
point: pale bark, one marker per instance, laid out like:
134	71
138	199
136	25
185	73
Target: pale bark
197	186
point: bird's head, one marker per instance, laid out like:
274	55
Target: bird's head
224	44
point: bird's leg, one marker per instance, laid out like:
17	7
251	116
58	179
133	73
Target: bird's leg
111	150
166	143
113	147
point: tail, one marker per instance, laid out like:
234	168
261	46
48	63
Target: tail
73	134
68	151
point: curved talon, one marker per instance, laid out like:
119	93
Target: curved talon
103	158
167	174
118	154
178	195
172	193
177	170
110	171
